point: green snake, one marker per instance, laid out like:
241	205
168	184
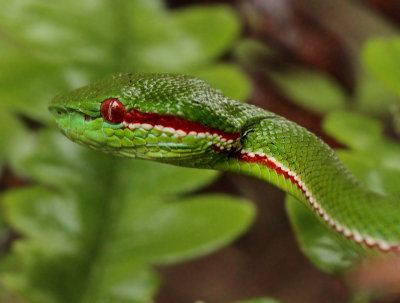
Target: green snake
184	121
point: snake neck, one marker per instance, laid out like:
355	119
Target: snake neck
282	153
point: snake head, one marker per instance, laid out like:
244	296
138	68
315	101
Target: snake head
169	118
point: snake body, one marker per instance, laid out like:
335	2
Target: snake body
184	121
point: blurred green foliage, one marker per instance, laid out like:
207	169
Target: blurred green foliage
311	89
381	57
320	244
317	91
92	225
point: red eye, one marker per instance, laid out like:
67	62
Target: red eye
112	110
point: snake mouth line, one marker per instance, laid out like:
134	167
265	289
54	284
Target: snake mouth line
273	164
113	111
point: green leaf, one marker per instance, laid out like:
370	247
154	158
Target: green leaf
52	52
179	231
28	84
353	129
9	262
371	172
372	97
9	297
215	27
11	133
312	90
374	159
322	247
252	53
382	58
365	135
228	78
183	40
98	222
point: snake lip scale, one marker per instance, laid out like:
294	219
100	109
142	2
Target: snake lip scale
181	120
135	118
223	141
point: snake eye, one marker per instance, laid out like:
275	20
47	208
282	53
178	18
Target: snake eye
112	110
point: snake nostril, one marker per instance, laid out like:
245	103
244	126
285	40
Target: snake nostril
57	112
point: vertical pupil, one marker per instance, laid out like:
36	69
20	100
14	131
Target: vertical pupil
112	111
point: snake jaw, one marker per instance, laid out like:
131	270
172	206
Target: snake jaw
143	141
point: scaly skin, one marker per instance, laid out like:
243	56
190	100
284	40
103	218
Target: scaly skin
172	119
